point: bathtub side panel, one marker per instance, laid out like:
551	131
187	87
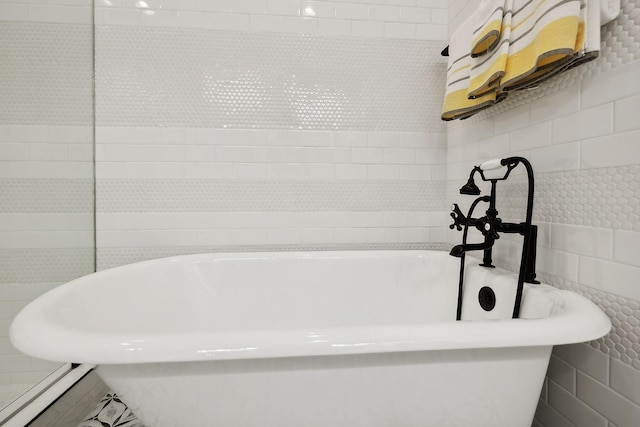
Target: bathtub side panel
482	387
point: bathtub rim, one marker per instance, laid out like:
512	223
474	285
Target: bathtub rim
580	321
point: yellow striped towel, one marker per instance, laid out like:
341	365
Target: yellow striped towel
457	105
487	26
588	41
543	38
487	70
587	46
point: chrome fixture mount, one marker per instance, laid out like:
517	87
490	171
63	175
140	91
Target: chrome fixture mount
491	226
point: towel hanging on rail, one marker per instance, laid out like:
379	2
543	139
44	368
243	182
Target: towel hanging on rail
487	70
488	23
609	10
591	21
586	49
457	104
535	39
543	39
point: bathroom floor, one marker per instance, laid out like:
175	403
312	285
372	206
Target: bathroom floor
111	412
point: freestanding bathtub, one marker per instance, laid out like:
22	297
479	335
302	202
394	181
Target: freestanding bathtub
326	339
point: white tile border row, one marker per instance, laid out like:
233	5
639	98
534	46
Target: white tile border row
81	13
379	21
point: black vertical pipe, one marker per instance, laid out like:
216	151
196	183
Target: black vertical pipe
530	270
462	257
526	244
487	259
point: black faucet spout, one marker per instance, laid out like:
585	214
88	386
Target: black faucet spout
458	250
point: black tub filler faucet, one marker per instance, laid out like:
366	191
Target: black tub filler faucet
491	225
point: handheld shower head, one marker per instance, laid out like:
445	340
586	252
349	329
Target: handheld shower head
470	188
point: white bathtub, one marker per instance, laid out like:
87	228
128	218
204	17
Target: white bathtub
326	339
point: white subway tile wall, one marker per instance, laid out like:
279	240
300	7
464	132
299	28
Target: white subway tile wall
580	132
56	11
405	19
192	79
38	87
46	164
282	129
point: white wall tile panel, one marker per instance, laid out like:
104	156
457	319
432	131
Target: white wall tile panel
615	407
431	32
335	27
533	136
14	12
46	157
590	241
42	169
624	380
301	25
626	114
588	360
57	57
249	6
350	171
351	11
46	196
556	104
205	5
438	4
293	16
618	82
416	15
37	265
625	244
562	373
263	80
150	195
397	30
58	11
617	278
547	416
439	16
384	13
553	262
266	23
584	124
45	152
312	239
611	150
559	157
58	133
573	408
367	29
319	9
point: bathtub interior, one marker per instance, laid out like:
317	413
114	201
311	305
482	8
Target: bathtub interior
262	292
